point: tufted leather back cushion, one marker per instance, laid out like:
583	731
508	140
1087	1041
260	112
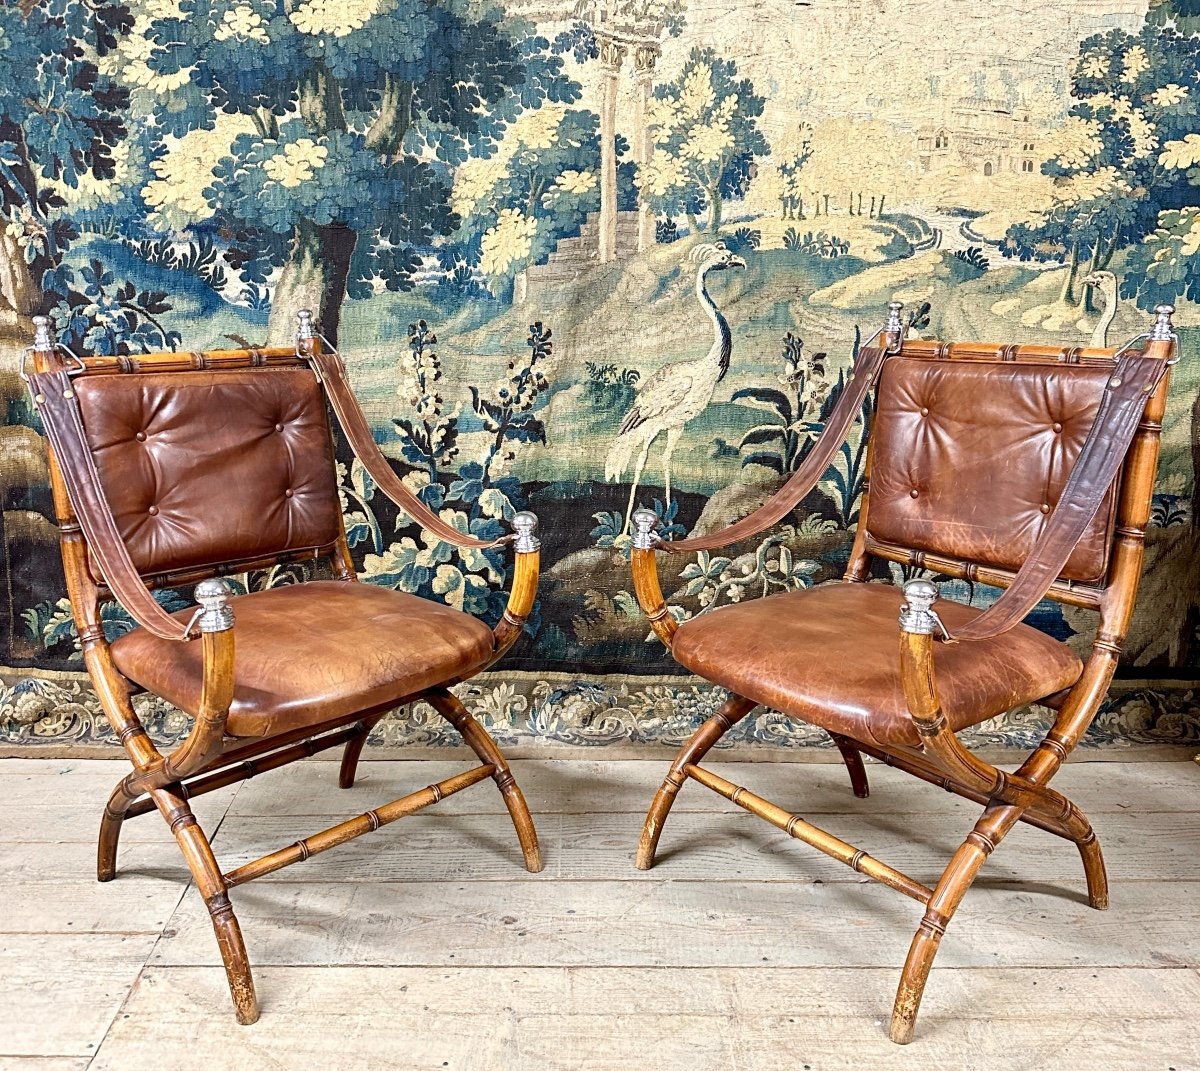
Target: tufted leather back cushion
203	468
970	458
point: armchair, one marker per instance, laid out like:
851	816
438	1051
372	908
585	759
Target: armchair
1030	468
171	469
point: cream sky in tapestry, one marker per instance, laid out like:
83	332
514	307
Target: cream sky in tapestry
581	256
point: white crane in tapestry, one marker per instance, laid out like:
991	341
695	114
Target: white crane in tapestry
678	392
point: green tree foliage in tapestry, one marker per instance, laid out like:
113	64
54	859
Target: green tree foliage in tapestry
340	122
62	122
1128	167
706	137
536	187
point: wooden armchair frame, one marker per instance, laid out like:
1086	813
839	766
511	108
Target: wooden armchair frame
208	759
1123	446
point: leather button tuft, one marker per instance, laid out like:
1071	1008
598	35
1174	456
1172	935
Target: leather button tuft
1057	429
289	493
924	410
153	511
140	436
1045	507
279	427
913	493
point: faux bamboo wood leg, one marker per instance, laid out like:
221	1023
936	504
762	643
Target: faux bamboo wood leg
485	747
956	879
1093	869
854	766
110	832
732	711
353	751
203	865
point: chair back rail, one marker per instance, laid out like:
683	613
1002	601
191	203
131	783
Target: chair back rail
212	463
986	435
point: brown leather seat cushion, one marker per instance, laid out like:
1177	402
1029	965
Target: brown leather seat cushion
831	656
311	653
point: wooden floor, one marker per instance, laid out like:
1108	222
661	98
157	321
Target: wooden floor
426	945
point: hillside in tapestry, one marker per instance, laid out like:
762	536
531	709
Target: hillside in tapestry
580	256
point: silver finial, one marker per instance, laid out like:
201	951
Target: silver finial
645	521
917	613
43	334
524	525
216	615
894	329
1163	331
305	332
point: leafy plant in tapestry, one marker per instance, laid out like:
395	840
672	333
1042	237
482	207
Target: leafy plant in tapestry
706	138
1128	172
477	499
333	128
65	133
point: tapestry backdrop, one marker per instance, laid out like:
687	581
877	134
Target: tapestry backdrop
583	255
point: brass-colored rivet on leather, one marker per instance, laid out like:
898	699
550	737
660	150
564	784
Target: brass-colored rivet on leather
39	398
68	394
913	493
153	511
289	492
1045	507
140	436
1057	429
1115	381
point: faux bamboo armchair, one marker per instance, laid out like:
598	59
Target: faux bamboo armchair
172	469
1026	467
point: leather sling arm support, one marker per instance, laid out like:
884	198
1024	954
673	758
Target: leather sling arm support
54	398
812	468
1135	378
332	372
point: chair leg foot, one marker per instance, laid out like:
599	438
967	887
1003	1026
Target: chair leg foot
477	739
119	801
921	953
350	756
198	854
656	818
518	810
854	767
702	741
233	954
1093	869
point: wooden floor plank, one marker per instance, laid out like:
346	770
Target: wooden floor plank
433	846
60	993
363	1018
44	1063
684	923
588	787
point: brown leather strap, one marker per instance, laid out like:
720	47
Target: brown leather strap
1134	380
55	400
358	433
812	468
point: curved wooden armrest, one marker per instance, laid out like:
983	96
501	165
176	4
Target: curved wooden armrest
1135	378
332	372
203	743
526	568
645	577
815	464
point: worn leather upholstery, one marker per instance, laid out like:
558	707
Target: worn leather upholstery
970	459
830	655
204	468
312	653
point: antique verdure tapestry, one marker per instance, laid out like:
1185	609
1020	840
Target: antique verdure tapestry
586	254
